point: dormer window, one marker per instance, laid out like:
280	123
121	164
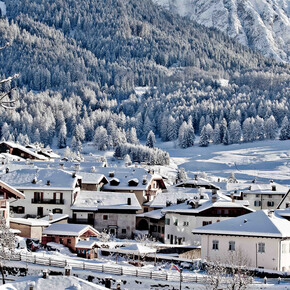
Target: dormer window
114	182
274	188
133	182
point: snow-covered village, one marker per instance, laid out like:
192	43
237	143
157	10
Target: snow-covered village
144	144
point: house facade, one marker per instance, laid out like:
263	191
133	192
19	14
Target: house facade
113	212
46	191
260	239
180	219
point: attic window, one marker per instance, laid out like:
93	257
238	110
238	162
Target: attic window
274	188
114	182
133	182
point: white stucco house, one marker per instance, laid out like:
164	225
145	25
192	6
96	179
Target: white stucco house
181	218
261	239
114	212
46	191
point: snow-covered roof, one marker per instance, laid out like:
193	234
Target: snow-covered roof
30	222
154	214
97	200
257	224
47	179
222	201
11	189
24	149
198	182
68	229
92	178
86	244
175	193
55	217
136	249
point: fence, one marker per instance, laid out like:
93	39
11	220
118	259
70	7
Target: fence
116	270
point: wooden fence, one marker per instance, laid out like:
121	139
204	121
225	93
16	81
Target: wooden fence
112	269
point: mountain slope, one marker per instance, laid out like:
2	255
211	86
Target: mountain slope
264	25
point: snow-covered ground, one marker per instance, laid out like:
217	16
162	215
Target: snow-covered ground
263	160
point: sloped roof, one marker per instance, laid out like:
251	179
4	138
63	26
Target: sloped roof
92	178
30	222
86	244
96	200
199	182
221	202
256	224
68	229
55	217
12	190
22	179
24	149
153	214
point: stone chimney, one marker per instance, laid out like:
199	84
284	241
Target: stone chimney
50	216
270	213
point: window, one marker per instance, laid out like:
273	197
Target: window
261	247
105	217
270	203
257	203
284	248
167	222
270	195
185	224
168	236
287	204
183	239
69	241
176	222
20	209
215	245
257	195
57	210
232	246
124	231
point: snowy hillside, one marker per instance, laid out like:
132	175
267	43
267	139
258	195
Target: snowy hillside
262	24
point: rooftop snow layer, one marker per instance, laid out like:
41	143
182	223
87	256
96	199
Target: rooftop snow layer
58	179
67	229
256	224
95	200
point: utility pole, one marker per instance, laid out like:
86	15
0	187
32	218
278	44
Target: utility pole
180	271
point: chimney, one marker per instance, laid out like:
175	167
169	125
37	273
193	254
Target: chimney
7	170
195	177
270	213
77	167
274	188
50	216
61	166
111	174
74	175
34	180
232	197
48	182
129	202
93	169
213	198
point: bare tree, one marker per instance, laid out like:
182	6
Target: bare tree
6	99
7	245
230	274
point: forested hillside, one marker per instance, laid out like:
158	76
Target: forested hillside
80	60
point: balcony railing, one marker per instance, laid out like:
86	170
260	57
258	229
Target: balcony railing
47	201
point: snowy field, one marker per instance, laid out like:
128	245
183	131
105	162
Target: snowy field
264	160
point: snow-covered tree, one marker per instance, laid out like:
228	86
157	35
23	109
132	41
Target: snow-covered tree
216	136
204	138
248	130
101	140
61	142
271	128
150	142
7	245
227	138
285	129
181	174
235	131
186	135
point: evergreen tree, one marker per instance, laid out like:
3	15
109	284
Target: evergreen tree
61	143
101	140
150	142
204	138
271	128
285	129
216	137
235	131
227	138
